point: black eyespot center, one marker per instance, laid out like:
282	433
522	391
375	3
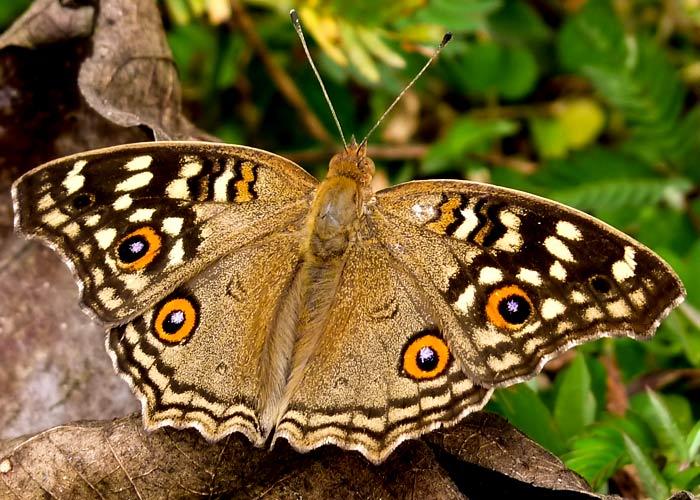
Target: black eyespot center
601	284
427	359
133	248
174	321
515	309
82	201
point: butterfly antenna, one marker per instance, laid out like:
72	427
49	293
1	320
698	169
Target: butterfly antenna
445	41
297	27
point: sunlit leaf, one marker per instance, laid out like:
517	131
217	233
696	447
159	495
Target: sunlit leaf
653	481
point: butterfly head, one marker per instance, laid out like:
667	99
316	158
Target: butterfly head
354	163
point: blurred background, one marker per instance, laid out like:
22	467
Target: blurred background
590	103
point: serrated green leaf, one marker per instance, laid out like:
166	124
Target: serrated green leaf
667	424
575	405
668	416
616	195
526	411
651	478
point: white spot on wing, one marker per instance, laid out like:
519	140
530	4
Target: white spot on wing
467	226
142	215
578	297
567	230
136	181
529	276
490	275
55	218
139	162
72	183
92	220
191	167
124	201
178	189
176	255
618	309
624	269
466	299
557	271
105	237
505	362
557	248
172	225
221	185
551	308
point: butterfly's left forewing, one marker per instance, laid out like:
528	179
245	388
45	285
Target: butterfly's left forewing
135	221
516	278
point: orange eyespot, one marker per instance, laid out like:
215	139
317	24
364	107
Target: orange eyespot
509	307
138	249
176	319
425	356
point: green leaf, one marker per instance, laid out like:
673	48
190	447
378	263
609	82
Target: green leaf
550	137
599	451
693	441
488	67
10	10
518	21
592	37
464	136
526	411
575	405
686	479
651	478
668	416
458	16
668	424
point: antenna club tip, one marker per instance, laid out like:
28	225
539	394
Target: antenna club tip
446	39
295	17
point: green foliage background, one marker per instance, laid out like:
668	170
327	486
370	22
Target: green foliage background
591	103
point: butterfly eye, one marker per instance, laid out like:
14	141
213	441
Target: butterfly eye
425	357
176	319
82	201
509	307
138	249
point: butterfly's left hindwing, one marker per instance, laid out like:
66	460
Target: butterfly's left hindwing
135	221
516	278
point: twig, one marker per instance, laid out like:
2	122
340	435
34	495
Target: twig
662	379
281	79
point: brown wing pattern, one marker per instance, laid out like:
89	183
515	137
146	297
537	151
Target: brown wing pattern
135	221
517	278
194	359
360	389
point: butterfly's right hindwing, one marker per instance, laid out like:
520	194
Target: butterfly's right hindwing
136	221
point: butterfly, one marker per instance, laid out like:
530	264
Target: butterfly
242	295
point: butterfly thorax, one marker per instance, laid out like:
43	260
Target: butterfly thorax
337	207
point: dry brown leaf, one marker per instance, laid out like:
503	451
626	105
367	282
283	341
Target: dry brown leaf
118	459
